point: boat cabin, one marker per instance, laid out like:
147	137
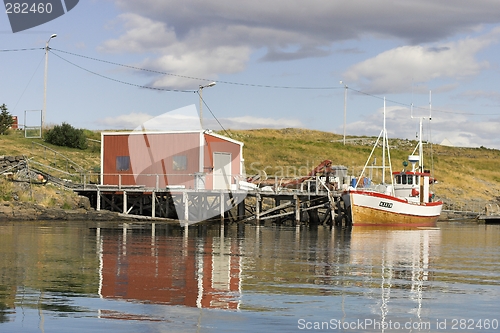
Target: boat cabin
412	185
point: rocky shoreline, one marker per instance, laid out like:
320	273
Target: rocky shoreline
24	211
14	208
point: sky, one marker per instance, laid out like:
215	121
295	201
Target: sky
118	63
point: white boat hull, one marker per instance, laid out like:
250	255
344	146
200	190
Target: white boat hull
369	208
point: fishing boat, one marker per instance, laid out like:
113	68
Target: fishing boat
407	201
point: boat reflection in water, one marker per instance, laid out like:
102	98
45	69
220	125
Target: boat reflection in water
143	265
395	264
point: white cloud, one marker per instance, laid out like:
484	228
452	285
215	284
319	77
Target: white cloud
141	35
395	71
206	63
207	38
457	128
125	121
191	57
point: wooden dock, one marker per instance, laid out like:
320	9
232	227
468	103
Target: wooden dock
292	206
491	214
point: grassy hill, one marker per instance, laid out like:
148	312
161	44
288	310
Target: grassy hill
465	175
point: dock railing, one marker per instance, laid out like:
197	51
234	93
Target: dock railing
190	181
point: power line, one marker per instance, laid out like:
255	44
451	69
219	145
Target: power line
15	106
422	108
256	85
17	50
229	135
120	81
218	81
197	78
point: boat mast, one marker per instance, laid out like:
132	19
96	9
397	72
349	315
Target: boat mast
421	148
420	145
383	148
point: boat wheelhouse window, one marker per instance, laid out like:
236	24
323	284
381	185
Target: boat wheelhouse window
410	180
403	178
398	179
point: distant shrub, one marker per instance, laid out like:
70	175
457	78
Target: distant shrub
66	135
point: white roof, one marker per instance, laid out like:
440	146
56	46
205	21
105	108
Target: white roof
208	132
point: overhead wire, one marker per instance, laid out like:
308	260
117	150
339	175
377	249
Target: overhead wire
218	81
147	87
120	81
198	78
17	50
204	103
422	108
31	79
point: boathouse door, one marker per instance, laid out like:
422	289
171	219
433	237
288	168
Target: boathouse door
222	171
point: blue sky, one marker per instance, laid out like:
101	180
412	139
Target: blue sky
276	65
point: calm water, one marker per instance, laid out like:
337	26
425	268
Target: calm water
88	277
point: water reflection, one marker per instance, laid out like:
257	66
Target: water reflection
214	277
167	266
206	266
162	266
395	265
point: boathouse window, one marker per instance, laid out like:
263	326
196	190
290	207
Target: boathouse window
122	163
179	162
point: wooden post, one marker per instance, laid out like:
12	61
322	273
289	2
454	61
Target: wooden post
185	199
124	202
98	204
153	204
297	208
257	207
222	203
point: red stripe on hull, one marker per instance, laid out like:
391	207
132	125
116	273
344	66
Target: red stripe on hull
390	197
364	216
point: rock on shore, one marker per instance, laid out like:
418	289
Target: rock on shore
24	211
